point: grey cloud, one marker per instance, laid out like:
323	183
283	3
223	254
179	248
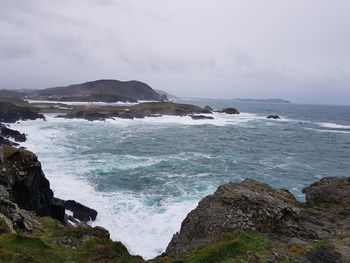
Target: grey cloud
223	48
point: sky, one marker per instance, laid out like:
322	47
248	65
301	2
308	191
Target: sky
293	49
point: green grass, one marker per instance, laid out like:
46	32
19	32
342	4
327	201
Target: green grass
231	248
54	243
320	243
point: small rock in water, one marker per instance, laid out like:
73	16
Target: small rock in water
230	111
201	117
275	117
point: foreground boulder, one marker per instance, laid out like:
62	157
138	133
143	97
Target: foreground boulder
285	222
245	205
329	191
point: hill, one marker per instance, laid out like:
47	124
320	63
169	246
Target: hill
169	96
99	90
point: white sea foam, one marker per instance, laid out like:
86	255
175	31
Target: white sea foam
333	125
330	131
220	119
145	229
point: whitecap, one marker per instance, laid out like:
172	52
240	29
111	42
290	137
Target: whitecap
330	131
333	125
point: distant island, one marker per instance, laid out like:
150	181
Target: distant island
239	99
264	100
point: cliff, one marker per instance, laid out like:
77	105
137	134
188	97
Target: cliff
33	224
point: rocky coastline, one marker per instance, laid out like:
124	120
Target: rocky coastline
245	221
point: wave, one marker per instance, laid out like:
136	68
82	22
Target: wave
144	222
326	130
333	125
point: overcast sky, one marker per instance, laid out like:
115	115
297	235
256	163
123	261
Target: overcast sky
297	49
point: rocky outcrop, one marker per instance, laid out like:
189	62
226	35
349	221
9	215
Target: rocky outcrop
80	212
9	133
142	110
23	178
87	115
254	206
7	142
329	192
201	117
274	117
208	108
11	112
230	111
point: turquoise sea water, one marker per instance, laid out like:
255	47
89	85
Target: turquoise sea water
144	176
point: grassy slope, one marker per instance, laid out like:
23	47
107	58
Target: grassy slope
54	243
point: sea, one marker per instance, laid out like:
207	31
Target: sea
144	176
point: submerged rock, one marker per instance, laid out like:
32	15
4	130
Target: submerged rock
275	117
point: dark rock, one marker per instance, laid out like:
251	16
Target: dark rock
11	112
230	111
329	191
141	110
7	142
11	211
250	205
16	135
323	255
81	212
57	209
201	117
275	117
6	225
71	219
23	178
88	115
245	205
208	108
